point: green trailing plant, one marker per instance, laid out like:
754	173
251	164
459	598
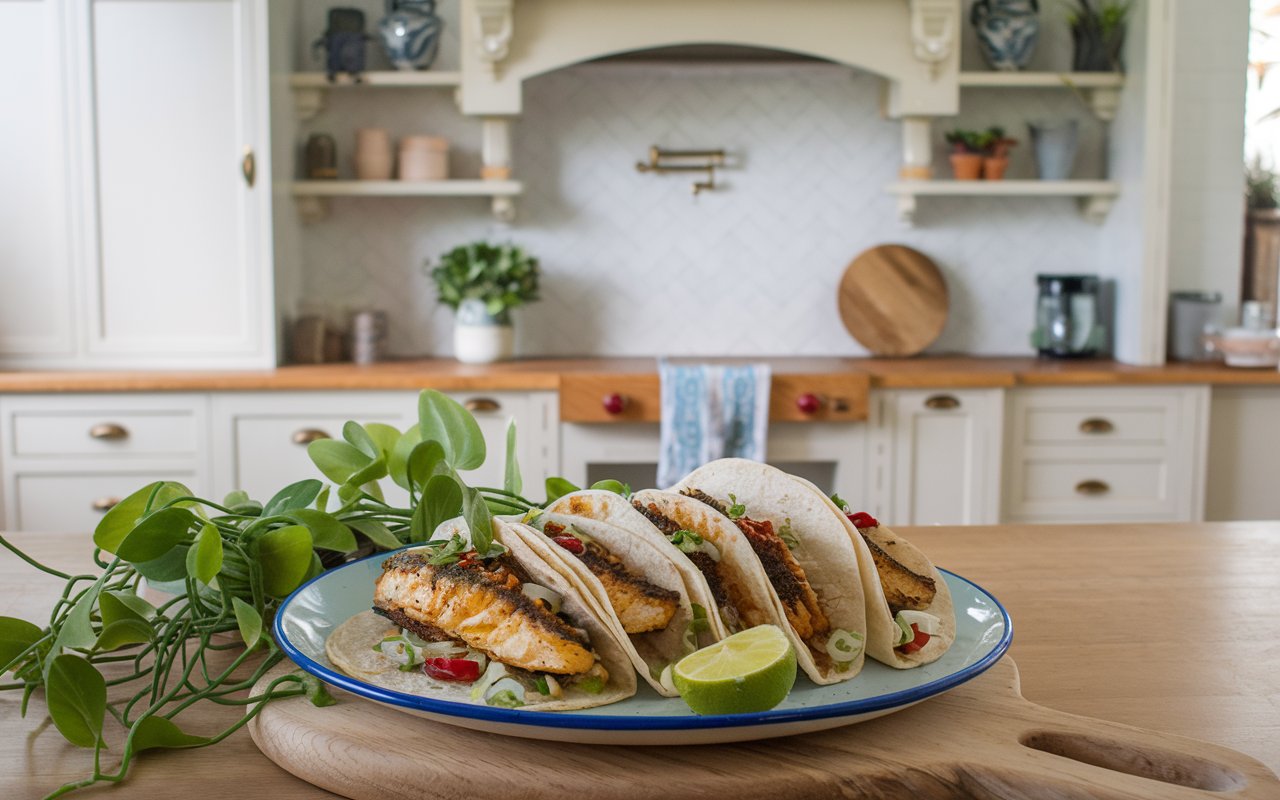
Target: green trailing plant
224	569
503	277
1262	186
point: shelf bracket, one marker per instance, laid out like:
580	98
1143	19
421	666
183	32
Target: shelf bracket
907	210
307	103
494	25
504	209
1104	103
1096	207
312	209
934	30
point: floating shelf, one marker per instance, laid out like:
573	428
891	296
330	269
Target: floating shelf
310	88
1096	197
1101	90
313	196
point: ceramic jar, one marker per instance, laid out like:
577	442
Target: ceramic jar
373	154
424	158
1055	149
1007	31
479	337
411	33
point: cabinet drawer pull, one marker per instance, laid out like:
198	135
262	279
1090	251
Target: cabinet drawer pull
477	405
1092	487
1096	425
942	402
105	504
305	436
108	431
249	167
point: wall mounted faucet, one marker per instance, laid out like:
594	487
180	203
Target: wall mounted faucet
662	162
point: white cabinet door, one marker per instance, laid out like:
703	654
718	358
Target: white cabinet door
936	456
179	238
35	260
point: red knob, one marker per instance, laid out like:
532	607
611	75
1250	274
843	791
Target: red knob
808	403
614	403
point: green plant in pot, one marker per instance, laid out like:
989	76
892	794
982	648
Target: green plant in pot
482	282
1097	30
979	154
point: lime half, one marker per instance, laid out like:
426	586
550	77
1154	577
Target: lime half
750	671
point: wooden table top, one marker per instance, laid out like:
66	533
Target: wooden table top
1170	627
446	374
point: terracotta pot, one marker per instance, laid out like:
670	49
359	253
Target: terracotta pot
373	156
993	168
966	166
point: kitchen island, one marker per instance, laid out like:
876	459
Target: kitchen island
1169	627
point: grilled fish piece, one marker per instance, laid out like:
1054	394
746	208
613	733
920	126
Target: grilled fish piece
640	605
903	589
709	567
483	607
789	581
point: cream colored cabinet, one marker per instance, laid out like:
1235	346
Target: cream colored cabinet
935	456
1244	454
68	458
262	438
1106	454
142	174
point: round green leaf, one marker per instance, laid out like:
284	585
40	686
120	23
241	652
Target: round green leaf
170	567
113	607
398	459
150	733
16	635
384	436
123	632
204	558
294	496
360	439
123	517
337	460
327	532
76	695
441	500
511	480
377	533
156	535
248	620
443	419
285	556
557	488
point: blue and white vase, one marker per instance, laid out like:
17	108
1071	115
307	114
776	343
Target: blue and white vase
1007	31
411	33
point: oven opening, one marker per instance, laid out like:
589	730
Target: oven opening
641	475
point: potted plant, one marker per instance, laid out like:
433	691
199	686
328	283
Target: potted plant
482	282
968	149
996	153
1097	30
1261	233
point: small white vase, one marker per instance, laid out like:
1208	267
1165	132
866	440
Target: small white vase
483	344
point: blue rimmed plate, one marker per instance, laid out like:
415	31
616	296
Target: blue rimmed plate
983	633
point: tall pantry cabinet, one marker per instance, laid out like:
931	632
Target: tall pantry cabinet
137	232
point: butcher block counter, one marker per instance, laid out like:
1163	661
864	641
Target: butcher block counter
549	374
1167	627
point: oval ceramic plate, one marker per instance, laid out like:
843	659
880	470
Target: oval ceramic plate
983	633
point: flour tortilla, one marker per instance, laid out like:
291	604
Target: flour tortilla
823	551
650	652
882	630
350	646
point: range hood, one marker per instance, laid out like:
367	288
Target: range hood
912	44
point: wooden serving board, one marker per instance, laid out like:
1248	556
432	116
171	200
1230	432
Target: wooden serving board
981	740
893	300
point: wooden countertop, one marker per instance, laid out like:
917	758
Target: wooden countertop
532	374
1168	627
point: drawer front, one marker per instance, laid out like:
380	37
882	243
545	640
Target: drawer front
1093	488
75	502
105	433
1097	416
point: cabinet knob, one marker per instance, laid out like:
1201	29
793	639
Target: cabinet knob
105	504
108	431
478	405
305	436
1094	425
1092	487
614	403
942	402
249	167
809	403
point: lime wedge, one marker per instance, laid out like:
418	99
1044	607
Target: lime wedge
750	671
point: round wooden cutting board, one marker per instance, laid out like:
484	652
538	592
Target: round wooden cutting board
893	300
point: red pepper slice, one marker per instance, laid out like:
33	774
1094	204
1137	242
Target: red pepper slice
915	644
462	670
862	519
571	543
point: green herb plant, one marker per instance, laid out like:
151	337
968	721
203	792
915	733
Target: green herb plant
225	568
989	142
1262	186
501	276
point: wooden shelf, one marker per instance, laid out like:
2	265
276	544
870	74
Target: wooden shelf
310	88
313	196
1096	197
1101	90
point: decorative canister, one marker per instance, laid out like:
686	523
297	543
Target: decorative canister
424	158
321	157
368	336
373	154
1007	31
411	33
1055	149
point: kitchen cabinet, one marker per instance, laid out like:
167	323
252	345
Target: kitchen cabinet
935	456
1106	454
1244	450
68	458
262	437
156	208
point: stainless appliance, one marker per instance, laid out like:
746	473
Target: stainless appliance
1068	324
1192	315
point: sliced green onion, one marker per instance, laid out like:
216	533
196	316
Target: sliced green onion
925	623
592	684
504	699
844	647
905	634
495	672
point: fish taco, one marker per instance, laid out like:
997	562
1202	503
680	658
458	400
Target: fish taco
507	630
809	562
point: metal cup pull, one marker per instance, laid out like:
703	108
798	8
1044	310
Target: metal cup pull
1092	487
305	436
942	402
108	431
105	504
478	405
1096	425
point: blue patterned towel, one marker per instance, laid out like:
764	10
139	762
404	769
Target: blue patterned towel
711	412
